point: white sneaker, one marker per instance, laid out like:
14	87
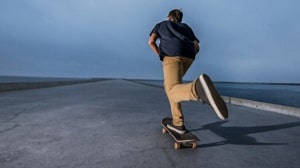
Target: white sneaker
177	129
208	94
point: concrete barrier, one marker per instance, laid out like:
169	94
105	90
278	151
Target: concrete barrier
263	106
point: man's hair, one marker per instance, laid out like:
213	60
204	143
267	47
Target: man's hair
175	15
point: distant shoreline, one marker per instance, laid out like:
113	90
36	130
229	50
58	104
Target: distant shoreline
12	83
17	79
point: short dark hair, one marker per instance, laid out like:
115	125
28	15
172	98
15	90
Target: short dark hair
175	15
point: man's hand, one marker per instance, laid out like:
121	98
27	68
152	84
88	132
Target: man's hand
196	47
152	43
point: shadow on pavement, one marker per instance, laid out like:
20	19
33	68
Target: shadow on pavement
240	135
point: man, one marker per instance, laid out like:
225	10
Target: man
177	50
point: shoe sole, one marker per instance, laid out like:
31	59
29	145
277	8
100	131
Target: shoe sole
213	97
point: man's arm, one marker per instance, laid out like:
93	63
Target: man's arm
152	43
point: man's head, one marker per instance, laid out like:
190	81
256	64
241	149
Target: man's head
175	15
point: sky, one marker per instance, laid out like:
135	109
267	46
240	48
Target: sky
241	41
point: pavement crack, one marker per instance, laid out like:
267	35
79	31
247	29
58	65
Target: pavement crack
9	128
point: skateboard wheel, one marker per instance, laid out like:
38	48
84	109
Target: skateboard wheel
194	145
176	146
164	131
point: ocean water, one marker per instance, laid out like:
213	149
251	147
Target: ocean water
275	93
282	94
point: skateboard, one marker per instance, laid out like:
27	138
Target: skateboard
187	139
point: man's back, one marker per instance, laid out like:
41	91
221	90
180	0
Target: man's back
176	39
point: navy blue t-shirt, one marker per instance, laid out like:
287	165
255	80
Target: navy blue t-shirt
176	39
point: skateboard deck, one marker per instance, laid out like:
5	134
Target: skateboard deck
187	139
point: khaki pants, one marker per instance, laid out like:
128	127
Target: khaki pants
174	69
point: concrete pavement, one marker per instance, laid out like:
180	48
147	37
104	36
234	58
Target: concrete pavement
116	123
